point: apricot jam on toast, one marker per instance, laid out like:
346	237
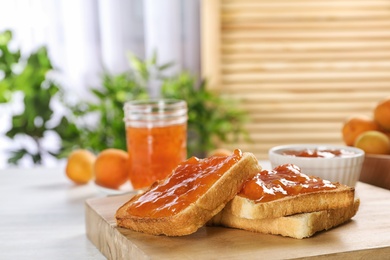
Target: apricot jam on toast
284	180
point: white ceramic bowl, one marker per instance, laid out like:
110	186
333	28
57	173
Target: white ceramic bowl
345	170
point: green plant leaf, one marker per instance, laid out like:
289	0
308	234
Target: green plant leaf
5	37
98	93
17	155
166	66
38	93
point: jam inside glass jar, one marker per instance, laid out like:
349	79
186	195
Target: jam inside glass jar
190	180
156	134
284	180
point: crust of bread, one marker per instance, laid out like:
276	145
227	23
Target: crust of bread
198	213
342	196
296	226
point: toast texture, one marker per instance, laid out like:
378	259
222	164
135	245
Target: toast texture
296	226
342	196
194	216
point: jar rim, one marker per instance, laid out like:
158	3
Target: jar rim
155	103
154	112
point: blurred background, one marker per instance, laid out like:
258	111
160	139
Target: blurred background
85	38
256	73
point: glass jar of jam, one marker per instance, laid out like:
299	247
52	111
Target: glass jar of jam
156	134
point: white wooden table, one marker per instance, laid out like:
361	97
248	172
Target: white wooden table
42	216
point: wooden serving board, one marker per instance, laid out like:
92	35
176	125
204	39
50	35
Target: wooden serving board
366	236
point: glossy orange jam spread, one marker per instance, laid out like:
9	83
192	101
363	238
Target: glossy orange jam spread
187	182
284	180
154	152
319	153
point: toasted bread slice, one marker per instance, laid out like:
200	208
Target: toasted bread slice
296	226
198	212
342	196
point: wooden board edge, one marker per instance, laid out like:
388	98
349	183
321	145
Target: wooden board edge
107	238
372	254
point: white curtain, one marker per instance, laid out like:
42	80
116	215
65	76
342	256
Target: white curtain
83	37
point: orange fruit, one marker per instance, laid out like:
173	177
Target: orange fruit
382	114
356	125
220	152
373	142
79	167
111	168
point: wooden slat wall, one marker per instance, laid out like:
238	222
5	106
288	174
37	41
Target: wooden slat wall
299	67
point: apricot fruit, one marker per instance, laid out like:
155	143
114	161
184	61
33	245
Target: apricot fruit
373	142
79	167
356	125
382	114
220	152
111	168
